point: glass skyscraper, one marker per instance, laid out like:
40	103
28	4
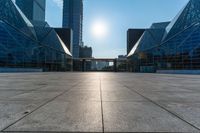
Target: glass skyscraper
33	9
171	45
73	18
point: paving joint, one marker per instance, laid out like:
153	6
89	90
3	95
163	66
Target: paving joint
3	130
102	116
162	107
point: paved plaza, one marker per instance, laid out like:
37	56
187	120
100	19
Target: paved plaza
99	102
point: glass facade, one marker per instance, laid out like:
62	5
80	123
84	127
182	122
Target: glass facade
33	9
23	45
170	46
73	19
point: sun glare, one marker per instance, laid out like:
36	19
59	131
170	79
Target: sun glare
99	29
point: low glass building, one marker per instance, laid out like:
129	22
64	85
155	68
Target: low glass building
171	45
25	44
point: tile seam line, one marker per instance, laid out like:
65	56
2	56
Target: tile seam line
3	130
45	132
24	92
162	107
102	116
29	91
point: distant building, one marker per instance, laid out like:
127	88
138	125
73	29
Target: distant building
122	57
33	9
102	65
73	19
133	36
85	52
66	35
94	65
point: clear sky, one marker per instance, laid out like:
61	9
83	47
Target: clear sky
117	16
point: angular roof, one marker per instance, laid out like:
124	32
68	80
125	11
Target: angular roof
150	38
12	15
39	32
188	16
184	26
42	29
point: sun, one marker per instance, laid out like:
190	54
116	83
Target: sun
99	29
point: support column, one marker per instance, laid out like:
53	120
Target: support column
83	65
115	65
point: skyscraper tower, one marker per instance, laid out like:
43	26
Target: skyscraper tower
73	18
33	9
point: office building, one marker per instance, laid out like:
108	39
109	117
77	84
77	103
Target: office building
33	9
122	57
132	37
24	45
85	52
66	35
102	65
73	19
173	46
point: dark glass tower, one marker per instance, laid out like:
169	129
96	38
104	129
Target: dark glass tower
33	9
73	19
133	35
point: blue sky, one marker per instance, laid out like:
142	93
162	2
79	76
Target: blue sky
119	15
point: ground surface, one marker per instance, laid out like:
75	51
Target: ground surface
99	102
